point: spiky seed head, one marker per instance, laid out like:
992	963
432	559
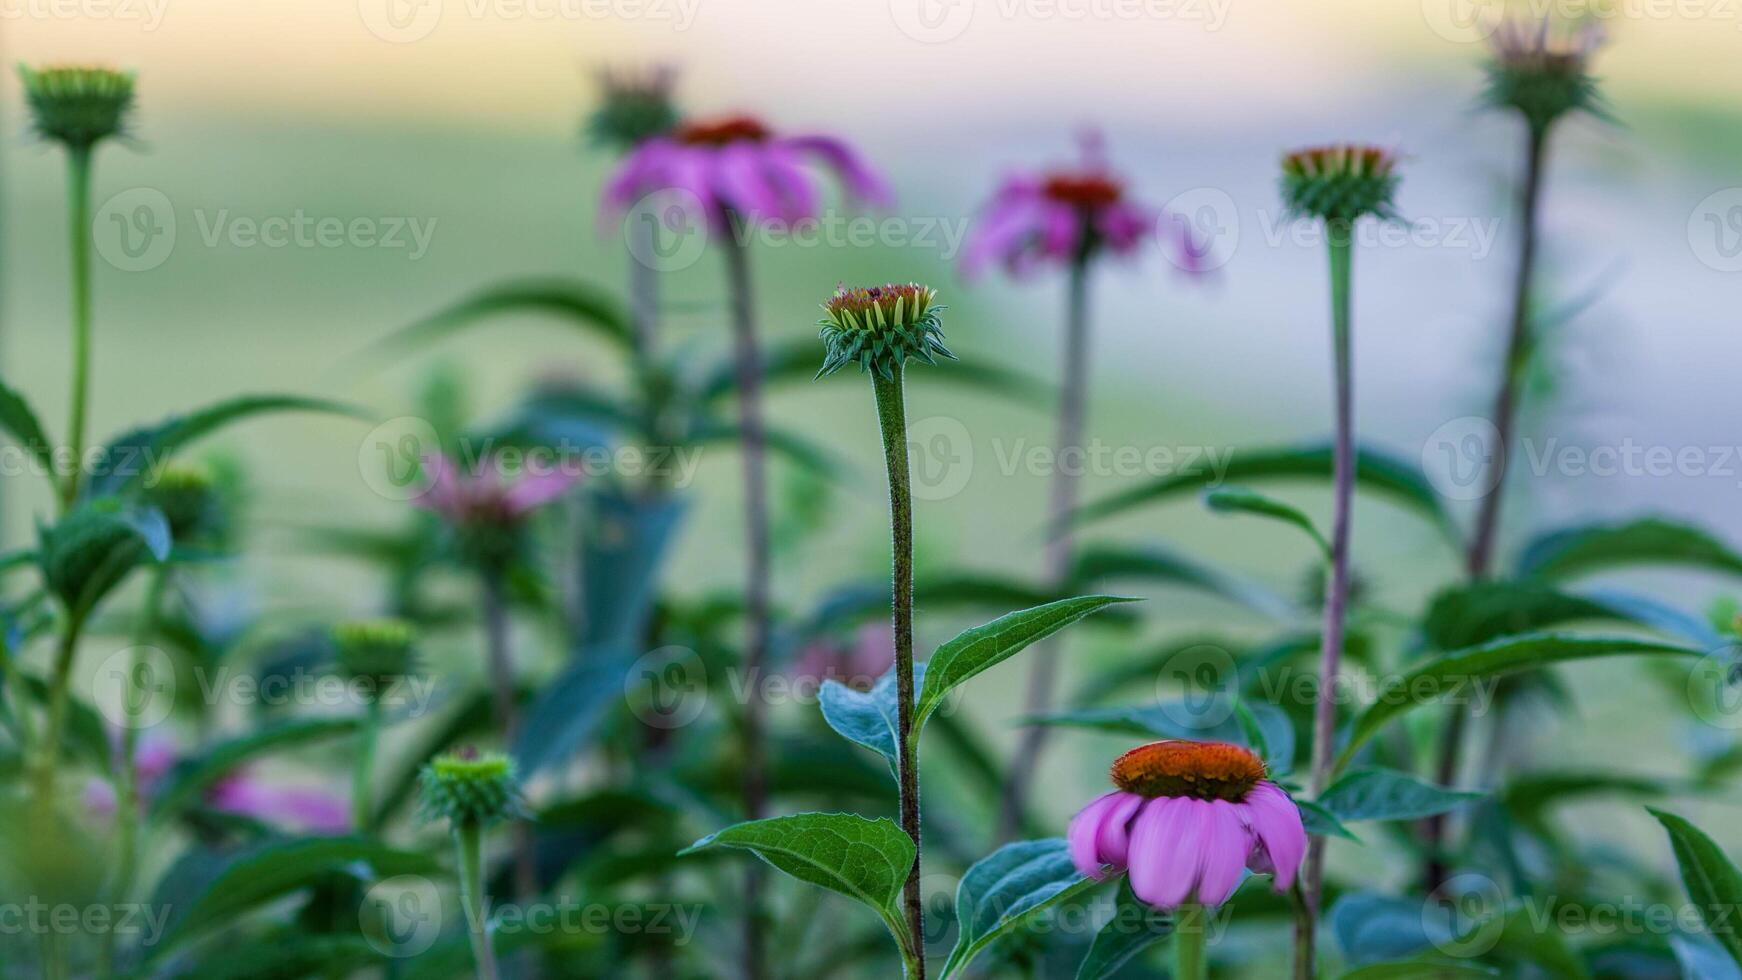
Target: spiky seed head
1541	69
1340	183
380	651
1200	770
881	327
637	107
466	788
76	105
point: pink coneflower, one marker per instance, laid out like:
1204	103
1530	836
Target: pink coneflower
1066	215
738	166
857	663
490	496
1187	819
302	808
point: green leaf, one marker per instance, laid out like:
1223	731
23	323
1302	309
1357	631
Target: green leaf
1097	563
1593	548
582	304
864	859
1240	500
1376	471
1702	959
1420	970
1321	822
983	647
132	456
1133	928
1466	615
571	708
1712	880
1006	890
1386	794
1453	672
228	887
191	777
868	718
91	549
19	420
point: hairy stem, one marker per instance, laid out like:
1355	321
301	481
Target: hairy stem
756	572
469	838
1340	236
1067	457
79	231
892	421
1480	558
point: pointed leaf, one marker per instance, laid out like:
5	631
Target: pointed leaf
571	708
868	718
580	303
1134	927
1386	794
1455	672
1240	500
1712	880
19	420
983	647
1007	890
1576	551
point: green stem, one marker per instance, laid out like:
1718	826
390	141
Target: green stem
48	756
362	781
79	231
469	837
1340	236
892	420
1190	922
127	822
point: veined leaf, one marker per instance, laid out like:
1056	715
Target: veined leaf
1433	679
867	860
1008	889
1376	471
983	647
1386	794
1321	822
1712	880
1098	563
582	304
1575	551
1134	927
133	455
191	777
868	718
19	420
1240	500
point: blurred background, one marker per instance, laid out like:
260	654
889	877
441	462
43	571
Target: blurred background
460	120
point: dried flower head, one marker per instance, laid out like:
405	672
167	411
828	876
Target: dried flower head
1188	819
78	106
380	651
637	106
1542	69
1340	183
466	788
880	327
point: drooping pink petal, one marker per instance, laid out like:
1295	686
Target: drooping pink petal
306	809
1165	854
1227	842
1113	843
1010	222
784	171
1085	832
1124	226
742	184
862	183
1276	821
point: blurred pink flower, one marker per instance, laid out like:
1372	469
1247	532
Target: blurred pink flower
1069	214
490	497
1188	820
300	808
857	664
737	165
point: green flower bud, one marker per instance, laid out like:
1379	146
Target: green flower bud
1340	183
880	327
78	106
466	788
380	651
92	549
188	497
637	107
1542	71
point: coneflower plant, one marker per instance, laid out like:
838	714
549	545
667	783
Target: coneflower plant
472	792
637	107
373	654
1337	186
880	329
78	107
1186	822
1069	217
1539	72
740	171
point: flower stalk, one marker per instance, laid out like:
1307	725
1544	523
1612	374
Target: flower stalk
471	792
469	841
1190	923
79	236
